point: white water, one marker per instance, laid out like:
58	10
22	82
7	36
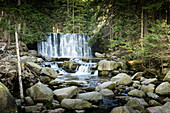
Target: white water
65	45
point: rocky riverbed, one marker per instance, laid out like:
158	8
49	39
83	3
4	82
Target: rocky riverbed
47	91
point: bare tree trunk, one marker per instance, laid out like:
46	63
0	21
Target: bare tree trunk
73	16
19	66
142	28
145	24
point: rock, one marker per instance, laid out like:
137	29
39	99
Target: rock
31	109
107	92
18	102
68	92
39	60
137	76
75	104
90	88
148	81
45	79
49	72
76	82
34	67
122	79
106	85
59	110
56	82
123	109
55	104
160	109
141	101
148	88
79	111
136	83
103	73
32	52
7	102
105	65
40	93
69	66
167	77
163	89
152	95
90	96
29	101
99	55
166	99
136	93
154	103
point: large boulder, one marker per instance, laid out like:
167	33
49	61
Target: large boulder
160	109
67	92
7	101
75	104
122	79
106	85
148	88
105	65
167	77
90	96
40	93
107	92
34	67
136	93
123	109
163	89
99	55
49	72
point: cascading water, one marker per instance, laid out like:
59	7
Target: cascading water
65	45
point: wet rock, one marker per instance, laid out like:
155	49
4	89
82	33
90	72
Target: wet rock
152	95
31	109
136	93
137	76
90	96
167	77
68	92
56	82
163	89
123	109
148	88
107	92
90	88
148	81
39	60
106	85
75	104
122	79
45	79
99	55
40	93
7	102
34	67
29	101
105	65
154	103
76	82
49	72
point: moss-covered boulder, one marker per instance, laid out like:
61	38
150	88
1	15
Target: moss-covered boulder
122	79
7	102
49	72
105	65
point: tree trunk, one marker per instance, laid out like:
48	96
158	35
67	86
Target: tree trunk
73	16
141	28
168	13
145	24
19	66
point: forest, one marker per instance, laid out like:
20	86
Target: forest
117	39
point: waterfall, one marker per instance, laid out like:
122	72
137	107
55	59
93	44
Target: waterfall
65	45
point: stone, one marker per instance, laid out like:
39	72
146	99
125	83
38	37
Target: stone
99	55
123	109
167	77
40	93
39	60
154	103
18	102
80	111
103	73
166	99
56	82
90	96
106	85
148	88
29	101
32	52
59	110
7	101
67	92
160	109
105	65
55	104
45	79
76	82
31	109
148	81
34	67
152	95
107	92
75	104
122	79
141	101
163	89
136	93
137	76
49	72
